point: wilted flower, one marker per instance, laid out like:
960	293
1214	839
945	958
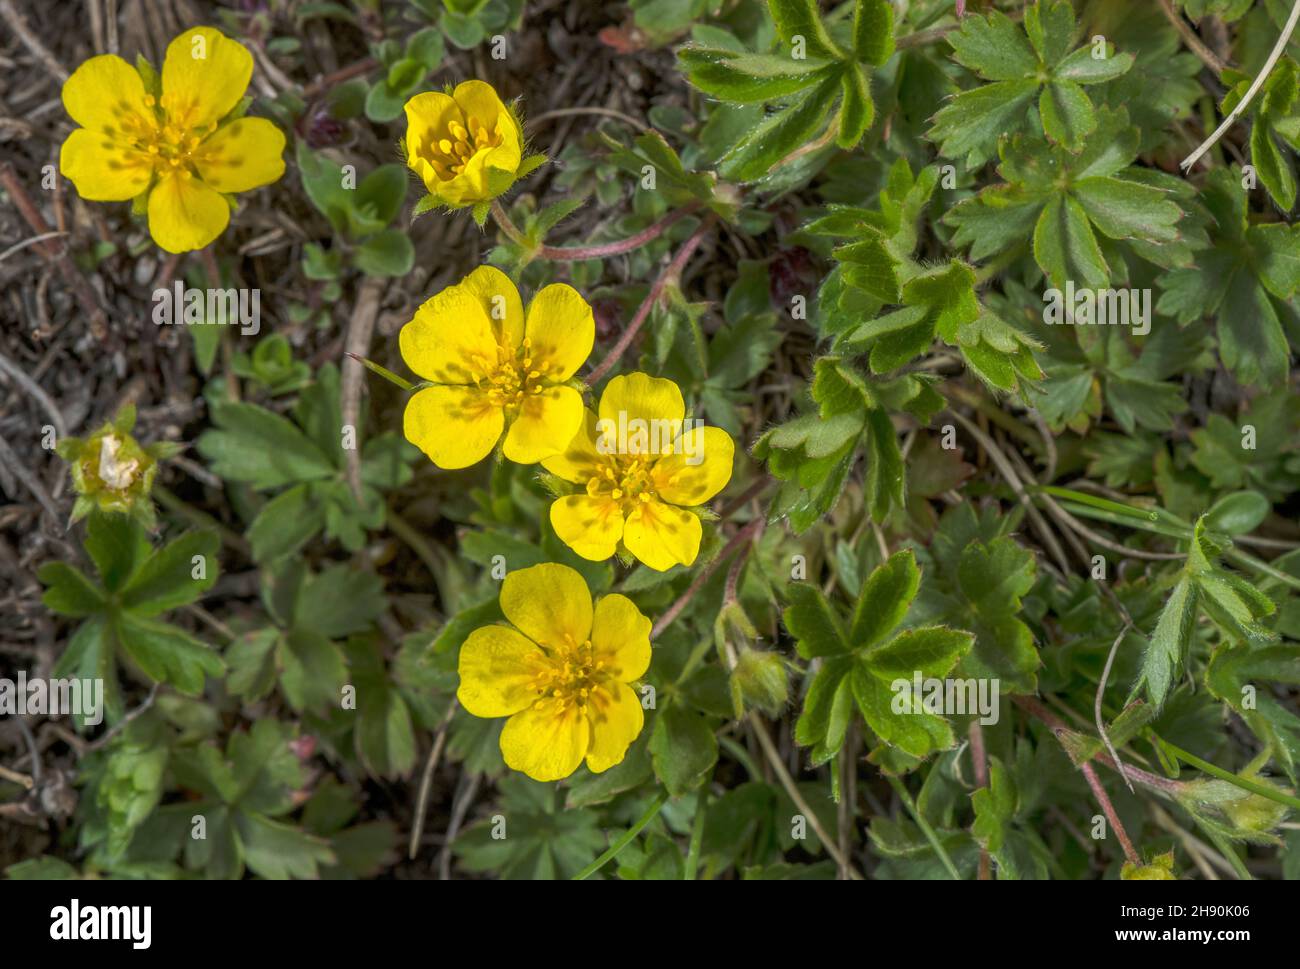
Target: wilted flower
111	471
560	672
495	368
177	143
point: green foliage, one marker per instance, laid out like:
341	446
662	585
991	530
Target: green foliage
904	225
866	663
810	76
359	211
118	609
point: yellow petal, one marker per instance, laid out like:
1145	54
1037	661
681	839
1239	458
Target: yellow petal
620	635
698	469
103	170
204	75
454	426
427	117
548	603
546	423
480	103
185	214
497	669
500	301
616	719
450	339
471	185
641	398
545	743
580	460
104	93
561	331
243	155
662	536
589	526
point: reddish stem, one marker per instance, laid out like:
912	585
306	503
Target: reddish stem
981	780
671	274
598	251
1109	809
737	540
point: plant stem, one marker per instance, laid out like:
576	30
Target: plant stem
1245	783
625	839
671	275
598	251
1187	163
742	536
924	825
1099	792
697	837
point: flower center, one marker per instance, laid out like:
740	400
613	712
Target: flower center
570	676
626	479
452	150
513	377
170	147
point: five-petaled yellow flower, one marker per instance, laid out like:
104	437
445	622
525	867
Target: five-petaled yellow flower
495	368
466	146
561	674
640	466
170	146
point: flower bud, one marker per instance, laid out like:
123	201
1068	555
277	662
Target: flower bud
760	680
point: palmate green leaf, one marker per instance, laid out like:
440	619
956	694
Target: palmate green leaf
1219	454
1068	200
542	840
138	584
1025	65
867	666
1244	284
990	580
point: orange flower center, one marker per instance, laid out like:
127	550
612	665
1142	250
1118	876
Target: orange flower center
626	479
513	377
569	676
449	151
169	147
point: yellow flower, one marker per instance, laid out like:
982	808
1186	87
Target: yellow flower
640	466
170	151
466	146
493	368
561	674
